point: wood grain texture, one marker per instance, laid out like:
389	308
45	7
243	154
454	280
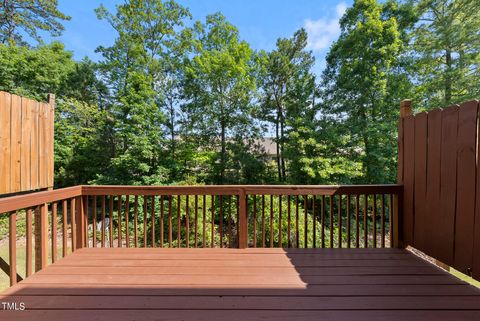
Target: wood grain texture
245	284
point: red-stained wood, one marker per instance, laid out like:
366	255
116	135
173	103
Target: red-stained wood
409	178
365	221
152	220
12	247
94	221
145	221
179	221
339	221
330	214
271	221
374	216
212	235
432	206
162	220
289	224
103	221
348	221
196	223
245	284
54	232
127	214
263	220
322	221
204	221
187	223
119	220
420	184
466	169
280	221
314	223
445	220
357	221
220	227
170	224
254	220
28	232
110	229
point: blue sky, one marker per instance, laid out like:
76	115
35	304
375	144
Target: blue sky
260	22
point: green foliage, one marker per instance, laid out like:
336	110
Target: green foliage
19	17
446	47
358	91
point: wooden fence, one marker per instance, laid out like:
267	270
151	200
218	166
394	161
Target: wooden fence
26	144
438	165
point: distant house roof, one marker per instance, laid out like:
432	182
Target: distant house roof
268	144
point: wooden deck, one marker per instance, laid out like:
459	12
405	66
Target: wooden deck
250	284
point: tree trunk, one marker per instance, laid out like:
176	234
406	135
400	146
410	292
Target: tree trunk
282	159
448	77
277	134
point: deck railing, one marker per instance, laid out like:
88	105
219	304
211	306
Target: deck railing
199	216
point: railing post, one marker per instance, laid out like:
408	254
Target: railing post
78	220
41	237
405	111
242	220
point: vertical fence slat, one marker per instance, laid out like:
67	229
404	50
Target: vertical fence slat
179	226
212	242
94	221
331	221
196	221
263	220
420	185
110	229
221	220
271	221
254	220
339	221
119	220
382	220
365	222
145	221
289	242
204	221
314	222
305	212
374	214
230	221
187	223
322	219
170	223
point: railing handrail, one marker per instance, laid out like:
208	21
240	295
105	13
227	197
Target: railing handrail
239	189
16	202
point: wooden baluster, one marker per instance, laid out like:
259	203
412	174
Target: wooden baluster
357	221
339	221
29	231
297	226
289	243
73	224
152	219
12	247
271	220
221	220
322	219
64	226
230	237
41	253
103	220
212	243
84	221
196	221
94	221
305	212
254	220
390	219
382	222
365	223
242	219
79	216
110	229
263	220
280	225
348	221
187	222
54	232
170	225
179	226
127	214
331	221
119	216
204	221
314	245
145	221
162	218
374	220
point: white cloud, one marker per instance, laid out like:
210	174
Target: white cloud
322	32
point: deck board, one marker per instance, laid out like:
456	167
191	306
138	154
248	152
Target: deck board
250	284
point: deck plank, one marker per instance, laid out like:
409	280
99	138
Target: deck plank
250	284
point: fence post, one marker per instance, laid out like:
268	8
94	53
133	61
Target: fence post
242	220
405	111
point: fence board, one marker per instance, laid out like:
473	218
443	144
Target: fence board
408	179
26	150
5	152
445	220
433	180
420	221
16	143
466	146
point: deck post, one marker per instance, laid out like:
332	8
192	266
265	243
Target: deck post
405	111
79	222
242	220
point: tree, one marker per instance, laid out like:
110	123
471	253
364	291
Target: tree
134	69
283	69
359	85
19	17
446	48
219	87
